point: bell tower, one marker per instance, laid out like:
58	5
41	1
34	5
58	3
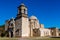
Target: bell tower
22	11
22	21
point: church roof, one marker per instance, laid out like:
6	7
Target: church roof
33	17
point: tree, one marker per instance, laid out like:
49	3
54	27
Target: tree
2	30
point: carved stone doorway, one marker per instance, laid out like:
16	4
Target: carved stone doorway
10	32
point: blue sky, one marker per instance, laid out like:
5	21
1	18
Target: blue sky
47	11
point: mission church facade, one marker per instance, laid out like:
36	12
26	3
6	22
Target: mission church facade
22	26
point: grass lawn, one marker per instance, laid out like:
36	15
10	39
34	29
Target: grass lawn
5	38
32	38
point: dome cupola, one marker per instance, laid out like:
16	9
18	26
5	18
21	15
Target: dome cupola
33	17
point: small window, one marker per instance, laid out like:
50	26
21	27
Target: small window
11	24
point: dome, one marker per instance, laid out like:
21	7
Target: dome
33	17
22	4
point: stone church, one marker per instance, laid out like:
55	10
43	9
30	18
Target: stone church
22	26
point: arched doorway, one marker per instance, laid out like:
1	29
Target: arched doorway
10	32
36	32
